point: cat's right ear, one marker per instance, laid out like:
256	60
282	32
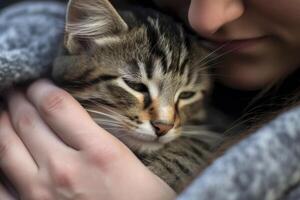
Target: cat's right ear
90	20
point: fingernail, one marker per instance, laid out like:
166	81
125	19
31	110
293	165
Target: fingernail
41	86
44	83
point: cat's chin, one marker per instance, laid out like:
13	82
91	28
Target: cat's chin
141	146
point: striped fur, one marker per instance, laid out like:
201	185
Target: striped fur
141	76
182	160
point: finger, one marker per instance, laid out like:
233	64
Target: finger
65	115
36	135
15	160
4	194
7	185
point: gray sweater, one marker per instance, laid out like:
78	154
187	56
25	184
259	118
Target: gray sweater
263	166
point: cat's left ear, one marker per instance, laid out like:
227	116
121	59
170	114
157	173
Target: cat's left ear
91	20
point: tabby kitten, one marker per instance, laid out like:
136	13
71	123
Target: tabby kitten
141	77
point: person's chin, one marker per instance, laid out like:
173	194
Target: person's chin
249	79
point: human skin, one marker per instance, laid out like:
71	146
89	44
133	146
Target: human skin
263	37
50	148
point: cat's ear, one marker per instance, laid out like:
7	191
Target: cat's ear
89	20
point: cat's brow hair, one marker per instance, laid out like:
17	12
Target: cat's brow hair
171	51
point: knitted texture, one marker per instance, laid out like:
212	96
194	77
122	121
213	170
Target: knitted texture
30	34
265	166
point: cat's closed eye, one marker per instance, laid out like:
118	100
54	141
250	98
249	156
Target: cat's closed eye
187	95
139	87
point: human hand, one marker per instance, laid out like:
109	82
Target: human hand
51	149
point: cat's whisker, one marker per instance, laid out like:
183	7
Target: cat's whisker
98	113
112	119
213	52
119	115
207	134
194	127
125	126
104	107
114	130
122	135
109	124
104	116
206	63
115	115
202	133
111	110
218	57
100	120
117	130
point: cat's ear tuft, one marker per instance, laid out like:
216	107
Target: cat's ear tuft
89	20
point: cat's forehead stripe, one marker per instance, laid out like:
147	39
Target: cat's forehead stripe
134	70
173	51
149	68
156	47
183	66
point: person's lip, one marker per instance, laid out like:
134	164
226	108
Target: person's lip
235	45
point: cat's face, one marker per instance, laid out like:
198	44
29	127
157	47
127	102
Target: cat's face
139	75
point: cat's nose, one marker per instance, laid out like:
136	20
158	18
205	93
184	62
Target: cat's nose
161	128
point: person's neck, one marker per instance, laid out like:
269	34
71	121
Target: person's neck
235	103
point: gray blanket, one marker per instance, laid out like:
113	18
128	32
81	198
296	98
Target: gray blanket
264	166
29	37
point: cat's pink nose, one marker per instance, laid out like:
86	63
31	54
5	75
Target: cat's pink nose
161	128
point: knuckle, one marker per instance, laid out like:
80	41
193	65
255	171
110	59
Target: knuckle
39	193
103	155
5	145
25	119
63	173
53	101
64	179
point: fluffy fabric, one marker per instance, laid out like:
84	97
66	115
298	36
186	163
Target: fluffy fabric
264	166
29	38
